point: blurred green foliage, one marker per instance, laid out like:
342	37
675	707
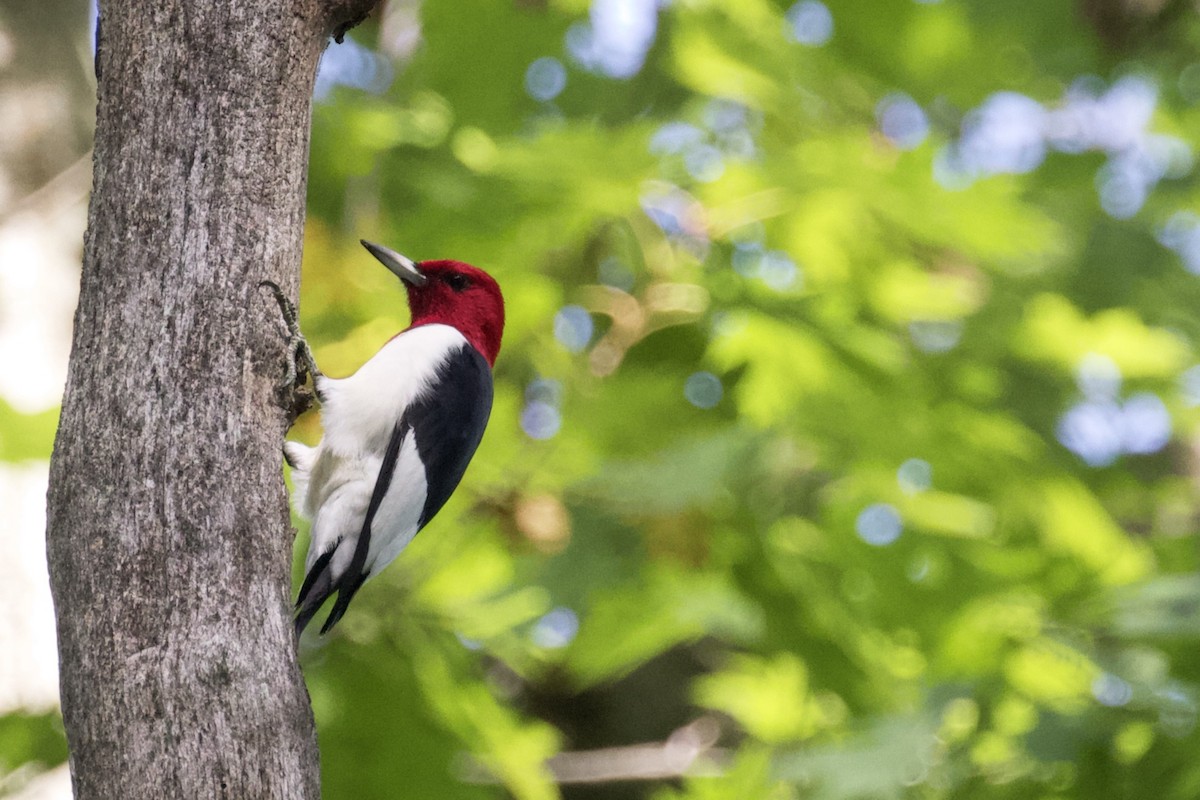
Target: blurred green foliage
799	470
867	552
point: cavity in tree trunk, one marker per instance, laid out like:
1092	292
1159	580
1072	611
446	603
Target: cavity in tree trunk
169	542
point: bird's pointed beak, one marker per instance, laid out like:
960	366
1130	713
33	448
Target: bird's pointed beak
402	266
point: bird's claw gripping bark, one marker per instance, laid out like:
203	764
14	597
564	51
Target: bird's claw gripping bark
300	362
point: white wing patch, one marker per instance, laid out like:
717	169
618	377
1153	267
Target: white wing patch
396	521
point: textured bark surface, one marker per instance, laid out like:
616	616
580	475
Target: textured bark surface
169	541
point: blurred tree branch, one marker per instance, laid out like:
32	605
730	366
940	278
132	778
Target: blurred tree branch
689	751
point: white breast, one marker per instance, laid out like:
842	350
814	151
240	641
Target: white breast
358	412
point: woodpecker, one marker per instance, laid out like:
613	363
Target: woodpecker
398	433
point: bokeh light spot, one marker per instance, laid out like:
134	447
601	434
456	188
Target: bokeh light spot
935	335
1098	377
615	40
468	642
778	271
1004	135
879	524
540	420
1189	384
949	169
1145	424
902	120
573	327
675	137
677	214
703	390
1181	233
747	259
919	568
810	23
1122	194
1109	690
545	79
915	475
556	628
704	163
350	64
723	116
1091	430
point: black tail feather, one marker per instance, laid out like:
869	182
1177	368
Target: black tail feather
319	568
307	612
317	587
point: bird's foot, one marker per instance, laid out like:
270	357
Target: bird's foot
300	361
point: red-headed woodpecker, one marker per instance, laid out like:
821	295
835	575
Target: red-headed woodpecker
398	433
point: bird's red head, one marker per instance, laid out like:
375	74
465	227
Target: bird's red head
463	296
451	293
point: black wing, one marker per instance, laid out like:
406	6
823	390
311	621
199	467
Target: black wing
448	425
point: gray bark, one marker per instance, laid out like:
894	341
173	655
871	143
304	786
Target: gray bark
169	543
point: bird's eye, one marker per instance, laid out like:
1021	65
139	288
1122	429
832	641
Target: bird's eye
457	282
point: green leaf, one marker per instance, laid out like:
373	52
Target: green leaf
26	436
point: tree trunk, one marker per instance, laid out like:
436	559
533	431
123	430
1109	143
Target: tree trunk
169	542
